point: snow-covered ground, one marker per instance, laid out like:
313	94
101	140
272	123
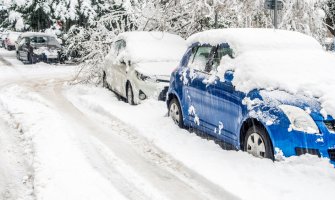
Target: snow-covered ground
63	141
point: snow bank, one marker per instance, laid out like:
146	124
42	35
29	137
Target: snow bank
61	169
153	46
284	60
305	177
15	175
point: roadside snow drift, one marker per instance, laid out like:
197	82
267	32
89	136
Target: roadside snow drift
247	177
61	170
276	59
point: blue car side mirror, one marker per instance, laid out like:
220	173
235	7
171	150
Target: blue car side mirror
229	76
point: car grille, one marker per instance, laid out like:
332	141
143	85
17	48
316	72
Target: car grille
331	153
330	125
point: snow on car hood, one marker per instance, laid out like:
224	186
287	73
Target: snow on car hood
51	53
306	72
152	46
156	68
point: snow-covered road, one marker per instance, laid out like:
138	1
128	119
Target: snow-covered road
63	141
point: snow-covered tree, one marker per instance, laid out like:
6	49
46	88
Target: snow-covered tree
185	17
305	16
330	20
90	44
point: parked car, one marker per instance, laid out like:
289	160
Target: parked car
3	38
10	40
257	90
140	63
35	47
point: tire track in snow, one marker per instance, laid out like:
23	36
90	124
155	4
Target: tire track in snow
17	173
170	177
4	61
16	152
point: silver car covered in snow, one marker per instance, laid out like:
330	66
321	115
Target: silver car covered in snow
139	64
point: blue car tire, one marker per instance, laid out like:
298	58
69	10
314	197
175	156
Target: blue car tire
257	143
175	112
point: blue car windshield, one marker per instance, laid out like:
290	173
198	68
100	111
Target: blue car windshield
207	58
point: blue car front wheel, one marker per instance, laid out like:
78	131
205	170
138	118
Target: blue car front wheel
257	143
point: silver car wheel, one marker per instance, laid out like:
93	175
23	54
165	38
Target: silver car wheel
256	146
130	95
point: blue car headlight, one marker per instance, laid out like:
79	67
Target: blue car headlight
300	120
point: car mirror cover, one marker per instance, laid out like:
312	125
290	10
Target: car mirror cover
229	76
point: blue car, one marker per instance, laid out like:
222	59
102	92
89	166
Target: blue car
264	122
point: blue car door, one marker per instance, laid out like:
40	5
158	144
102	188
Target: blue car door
195	92
226	102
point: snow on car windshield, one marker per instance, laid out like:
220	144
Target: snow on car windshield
268	59
153	46
44	40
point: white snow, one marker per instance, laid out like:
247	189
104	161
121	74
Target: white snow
59	165
157	68
13	36
15	173
17	18
243	40
77	149
152	46
241	174
269	59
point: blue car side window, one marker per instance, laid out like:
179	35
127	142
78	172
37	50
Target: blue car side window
199	58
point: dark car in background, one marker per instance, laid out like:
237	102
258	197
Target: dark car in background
33	47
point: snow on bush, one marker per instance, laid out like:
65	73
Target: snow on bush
17	20
282	60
